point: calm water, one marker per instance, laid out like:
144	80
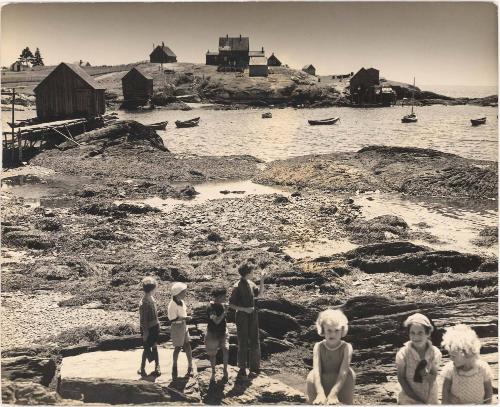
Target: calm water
287	134
457	91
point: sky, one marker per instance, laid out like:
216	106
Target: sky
452	43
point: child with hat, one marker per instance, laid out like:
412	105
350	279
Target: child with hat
467	378
177	314
418	363
150	326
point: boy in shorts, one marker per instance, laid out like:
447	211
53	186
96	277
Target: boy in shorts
217	336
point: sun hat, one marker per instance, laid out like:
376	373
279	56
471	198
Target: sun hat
147	281
177	288
418	319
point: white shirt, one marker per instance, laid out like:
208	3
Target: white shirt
176	311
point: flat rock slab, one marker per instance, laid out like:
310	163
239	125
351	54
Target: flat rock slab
111	377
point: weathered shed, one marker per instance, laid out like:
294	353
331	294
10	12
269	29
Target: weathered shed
257	66
363	86
162	54
273	61
68	91
310	69
233	51
212	58
137	86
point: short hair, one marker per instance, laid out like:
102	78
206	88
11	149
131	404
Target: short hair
148	284
245	269
217	292
334	316
461	338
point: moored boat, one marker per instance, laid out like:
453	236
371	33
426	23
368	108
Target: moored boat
477	122
188	123
329	121
157	126
267	115
409	118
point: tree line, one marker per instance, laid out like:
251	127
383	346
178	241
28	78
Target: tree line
28	57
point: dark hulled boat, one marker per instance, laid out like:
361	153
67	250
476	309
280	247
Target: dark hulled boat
324	122
157	126
477	122
188	123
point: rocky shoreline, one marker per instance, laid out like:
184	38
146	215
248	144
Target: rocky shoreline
85	249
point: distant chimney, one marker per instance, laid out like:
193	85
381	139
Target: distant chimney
262	49
240	37
227	36
162	44
153	46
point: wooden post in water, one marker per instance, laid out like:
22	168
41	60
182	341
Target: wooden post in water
12	122
20	144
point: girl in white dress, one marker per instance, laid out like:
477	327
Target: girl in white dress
467	378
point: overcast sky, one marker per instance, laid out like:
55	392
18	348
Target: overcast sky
439	43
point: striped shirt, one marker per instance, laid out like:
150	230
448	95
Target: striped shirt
147	313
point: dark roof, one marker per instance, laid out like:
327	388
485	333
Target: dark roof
309	66
234	43
78	71
140	72
212	52
256	53
274	57
166	50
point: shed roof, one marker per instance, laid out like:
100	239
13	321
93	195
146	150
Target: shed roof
139	71
77	70
258	60
212	52
234	43
309	66
166	50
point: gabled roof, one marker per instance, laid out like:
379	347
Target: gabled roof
256	53
258	60
77	71
274	57
166	50
234	43
308	66
140	72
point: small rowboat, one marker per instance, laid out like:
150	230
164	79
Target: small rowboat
324	122
409	118
267	115
188	123
157	126
477	122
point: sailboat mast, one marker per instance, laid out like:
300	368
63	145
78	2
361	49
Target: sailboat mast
413	95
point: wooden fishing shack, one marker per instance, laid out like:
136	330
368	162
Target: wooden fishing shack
69	92
137	86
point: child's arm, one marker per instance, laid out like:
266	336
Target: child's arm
218	319
488	392
446	399
405	386
344	370
320	392
261	285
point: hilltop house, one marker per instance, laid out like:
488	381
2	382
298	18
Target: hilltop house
273	61
310	69
67	92
233	51
137	86
257	66
212	58
162	55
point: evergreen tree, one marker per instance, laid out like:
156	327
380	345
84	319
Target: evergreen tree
37	59
26	56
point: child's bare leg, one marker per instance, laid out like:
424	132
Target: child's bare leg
142	370
175	356
311	388
157	357
346	393
212	364
187	349
225	358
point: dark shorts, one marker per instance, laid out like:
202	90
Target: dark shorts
154	335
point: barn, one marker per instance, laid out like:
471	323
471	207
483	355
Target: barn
273	61
67	92
162	55
363	86
212	58
257	66
310	69
137	86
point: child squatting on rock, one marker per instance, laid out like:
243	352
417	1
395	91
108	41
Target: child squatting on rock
177	314
417	363
217	336
331	380
242	300
150	326
467	378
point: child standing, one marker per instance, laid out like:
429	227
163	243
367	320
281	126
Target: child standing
242	300
331	381
467	378
217	336
150	326
177	314
418	363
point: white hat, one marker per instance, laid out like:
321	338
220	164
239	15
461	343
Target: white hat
177	288
418	319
